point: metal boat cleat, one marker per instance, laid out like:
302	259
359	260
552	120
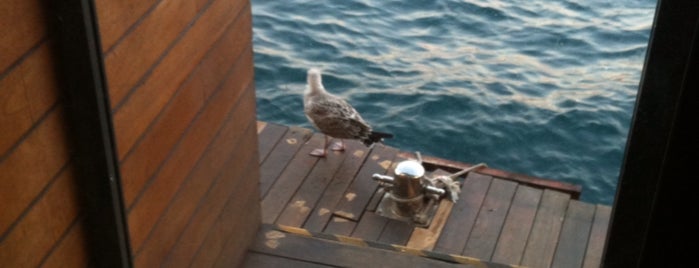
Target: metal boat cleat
412	197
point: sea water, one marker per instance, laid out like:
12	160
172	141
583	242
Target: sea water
545	88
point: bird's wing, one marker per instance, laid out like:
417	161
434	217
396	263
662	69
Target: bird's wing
337	118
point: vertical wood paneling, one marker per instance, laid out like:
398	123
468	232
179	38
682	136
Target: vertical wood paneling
30	166
160	191
43	225
28	92
71	251
236	177
141	48
39	197
115	17
145	103
166	130
164	61
28	28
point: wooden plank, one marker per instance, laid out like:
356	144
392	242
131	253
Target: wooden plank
513	237
116	17
160	191
547	226
285	186
310	191
281	156
228	239
322	213
260	126
396	232
28	28
167	129
33	236
136	113
598	236
464	213
28	93
325	252
268	139
71	251
207	219
261	260
572	242
491	217
30	166
370	226
363	187
204	180
340	226
426	238
129	60
541	183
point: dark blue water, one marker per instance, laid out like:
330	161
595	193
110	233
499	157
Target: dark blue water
544	88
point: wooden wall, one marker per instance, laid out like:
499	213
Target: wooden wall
180	78
40	217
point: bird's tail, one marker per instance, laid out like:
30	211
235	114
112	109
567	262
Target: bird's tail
375	137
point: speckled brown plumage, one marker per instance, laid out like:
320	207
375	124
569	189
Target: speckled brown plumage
333	116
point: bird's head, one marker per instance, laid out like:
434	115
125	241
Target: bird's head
315	82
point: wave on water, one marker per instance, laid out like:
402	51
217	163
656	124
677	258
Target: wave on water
544	88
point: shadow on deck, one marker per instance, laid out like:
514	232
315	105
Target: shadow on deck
501	217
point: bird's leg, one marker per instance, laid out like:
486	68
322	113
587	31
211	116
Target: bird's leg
320	152
338	146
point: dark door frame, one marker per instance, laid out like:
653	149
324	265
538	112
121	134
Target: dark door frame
74	34
650	219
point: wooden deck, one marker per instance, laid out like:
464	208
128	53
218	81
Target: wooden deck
502	217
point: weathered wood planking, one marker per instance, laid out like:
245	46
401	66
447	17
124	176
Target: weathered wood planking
370	226
204	181
281	156
491	217
503	220
167	130
570	251
146	101
322	213
598	236
310	191
268	138
513	237
33	236
206	219
572	189
396	232
361	190
27	30
325	252
261	260
546	229
289	181
28	92
464	213
340	226
21	180
159	192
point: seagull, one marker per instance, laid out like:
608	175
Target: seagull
334	117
